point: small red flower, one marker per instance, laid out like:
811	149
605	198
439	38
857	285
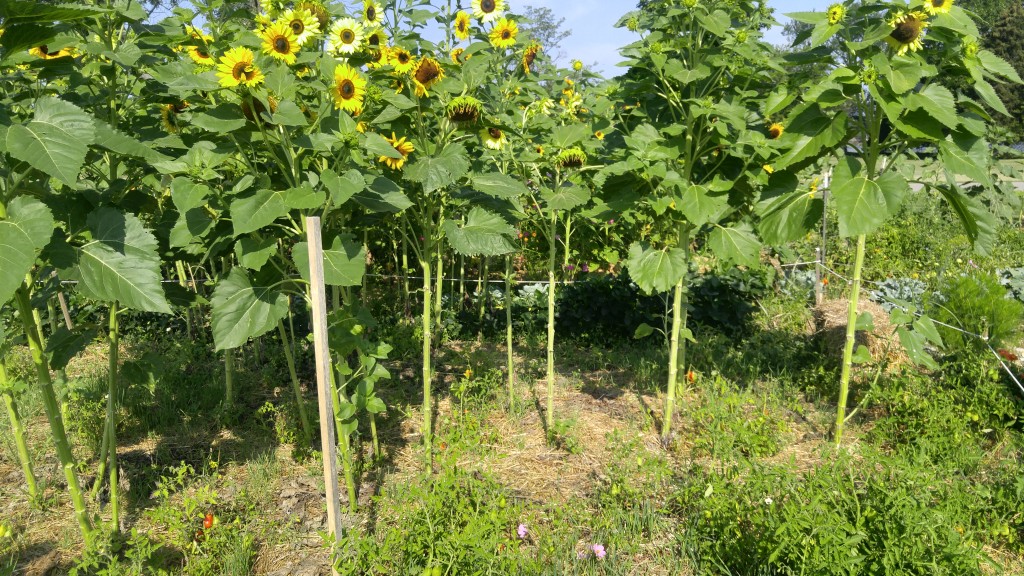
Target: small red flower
1007	355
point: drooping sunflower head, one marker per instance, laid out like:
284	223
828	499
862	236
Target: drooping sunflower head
835	13
529	56
44	52
349	89
237	66
379	57
317	9
934	7
457	54
403	147
402	60
493	138
571	158
488	10
372	13
428	72
169	118
503	35
775	131
462	25
279	42
346	36
907	31
303	24
464	110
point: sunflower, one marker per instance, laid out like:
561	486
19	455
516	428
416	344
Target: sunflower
464	110
317	9
237	67
280	42
200	55
303	24
402	60
428	72
403	146
539	149
456	55
529	56
488	10
970	48
379	57
346	36
599	135
571	158
835	14
372	13
43	52
577	65
907	31
462	25
768	168
493	138
504	33
169	118
775	131
375	38
349	88
934	7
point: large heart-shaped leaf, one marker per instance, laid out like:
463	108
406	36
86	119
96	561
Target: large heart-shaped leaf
701	205
436	172
256	211
121	263
810	132
23	235
655	270
55	140
244	309
566	197
938	102
342	187
383	195
859	200
787	213
344	261
968	155
736	244
483	234
499	185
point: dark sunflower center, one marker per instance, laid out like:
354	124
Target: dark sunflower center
938	3
347	89
494	133
371	13
775	132
44	50
374	40
428	72
487	6
202	52
403	58
506	34
281	45
348	36
530	57
907	31
241	70
461	26
298	27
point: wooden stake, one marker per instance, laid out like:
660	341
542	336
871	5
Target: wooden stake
328	442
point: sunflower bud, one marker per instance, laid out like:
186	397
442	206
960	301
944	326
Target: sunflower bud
464	110
571	158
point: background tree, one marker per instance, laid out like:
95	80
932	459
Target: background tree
1006	39
545	28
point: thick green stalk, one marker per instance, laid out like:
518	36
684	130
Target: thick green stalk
439	286
425	264
481	295
373	435
346	446
851	339
509	360
229	378
677	344
549	417
18	430
60	437
112	341
101	473
405	275
307	430
462	281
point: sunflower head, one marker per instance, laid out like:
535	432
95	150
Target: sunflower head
529	56
302	23
464	110
488	10
835	13
200	54
379	57
403	147
970	48
599	135
869	75
318	9
44	52
934	7
539	149
349	89
402	60
775	131
457	54
428	72
462	25
237	67
493	138
253	108
577	65
907	31
372	13
346	37
504	33
571	158
169	118
279	42
375	38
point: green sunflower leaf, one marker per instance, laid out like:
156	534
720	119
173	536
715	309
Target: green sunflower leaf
377	145
499	185
383	195
655	270
860	203
565	198
787	214
253	253
968	155
938	101
996	65
250	213
244	309
187	195
979	224
566	136
483	234
736	244
990	97
701	206
342	188
344	261
55	141
121	263
436	172
23	234
223	119
808	134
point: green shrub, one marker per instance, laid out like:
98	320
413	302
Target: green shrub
978	304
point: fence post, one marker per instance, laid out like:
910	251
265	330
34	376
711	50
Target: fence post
323	375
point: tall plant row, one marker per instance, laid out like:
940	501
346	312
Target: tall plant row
137	152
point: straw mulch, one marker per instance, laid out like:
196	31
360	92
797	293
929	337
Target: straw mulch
830	321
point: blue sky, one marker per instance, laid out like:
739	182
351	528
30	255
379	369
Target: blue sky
596	40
